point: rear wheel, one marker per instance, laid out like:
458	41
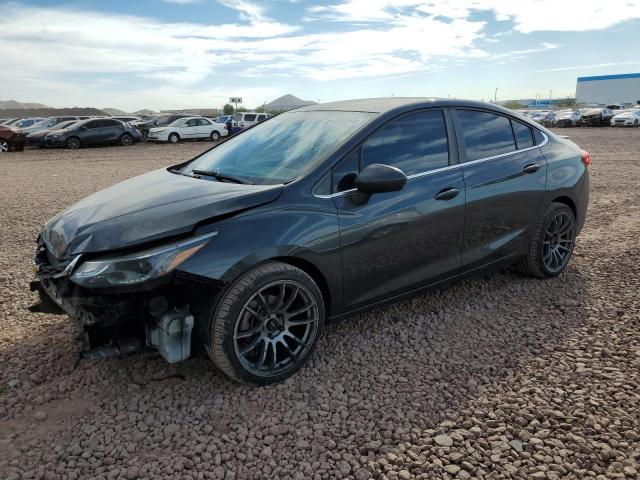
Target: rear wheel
174	138
215	136
551	248
4	146
126	140
73	143
266	324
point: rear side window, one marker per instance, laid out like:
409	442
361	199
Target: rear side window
203	121
523	134
414	143
485	134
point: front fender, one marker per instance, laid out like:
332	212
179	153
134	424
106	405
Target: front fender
306	232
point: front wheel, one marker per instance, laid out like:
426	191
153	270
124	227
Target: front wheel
551	247
174	138
215	136
4	146
266	324
73	143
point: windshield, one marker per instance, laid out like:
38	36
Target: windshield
63	125
177	123
281	149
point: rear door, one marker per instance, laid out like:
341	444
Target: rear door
505	177
112	130
205	127
399	241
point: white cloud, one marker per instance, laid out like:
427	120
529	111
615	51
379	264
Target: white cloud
183	2
528	16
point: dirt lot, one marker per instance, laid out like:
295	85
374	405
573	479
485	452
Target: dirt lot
498	377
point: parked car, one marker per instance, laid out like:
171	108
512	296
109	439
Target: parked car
27	122
51	122
543	117
317	214
567	118
10	121
249	119
188	128
596	117
127	119
157	121
626	118
94	131
36	139
11	139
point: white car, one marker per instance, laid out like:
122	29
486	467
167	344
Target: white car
628	118
188	128
249	119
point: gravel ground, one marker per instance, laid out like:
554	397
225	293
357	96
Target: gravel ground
501	376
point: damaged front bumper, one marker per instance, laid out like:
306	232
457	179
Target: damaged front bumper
161	314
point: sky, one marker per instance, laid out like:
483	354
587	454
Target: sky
171	54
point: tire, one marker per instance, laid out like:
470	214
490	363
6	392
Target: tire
635	122
4	146
126	140
215	136
540	261
73	143
173	138
251	304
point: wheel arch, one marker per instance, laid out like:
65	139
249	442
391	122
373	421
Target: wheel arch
314	272
568	201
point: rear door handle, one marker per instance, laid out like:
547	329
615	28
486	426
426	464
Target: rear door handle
532	168
447	194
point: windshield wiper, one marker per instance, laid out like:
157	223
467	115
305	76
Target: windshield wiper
220	176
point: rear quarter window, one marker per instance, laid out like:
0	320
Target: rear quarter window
523	134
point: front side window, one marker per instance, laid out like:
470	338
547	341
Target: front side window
191	123
93	124
485	134
414	143
523	134
283	148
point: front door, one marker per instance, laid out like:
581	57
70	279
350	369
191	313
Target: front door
398	241
505	176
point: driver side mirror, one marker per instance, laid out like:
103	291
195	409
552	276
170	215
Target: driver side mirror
379	178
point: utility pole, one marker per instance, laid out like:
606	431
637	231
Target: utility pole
495	96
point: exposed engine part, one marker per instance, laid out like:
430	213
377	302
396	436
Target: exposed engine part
171	333
122	348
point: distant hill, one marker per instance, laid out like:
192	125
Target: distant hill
11	104
286	102
144	112
48	112
114	111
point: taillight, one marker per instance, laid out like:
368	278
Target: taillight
586	158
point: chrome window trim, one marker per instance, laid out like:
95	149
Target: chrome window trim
449	167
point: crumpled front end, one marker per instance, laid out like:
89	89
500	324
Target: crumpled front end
160	314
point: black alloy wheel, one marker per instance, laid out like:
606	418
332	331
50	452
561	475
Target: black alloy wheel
126	140
552	243
266	324
73	143
558	242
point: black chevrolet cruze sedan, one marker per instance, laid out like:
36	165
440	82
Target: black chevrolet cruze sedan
315	214
91	132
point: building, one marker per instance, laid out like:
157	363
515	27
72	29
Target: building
609	89
286	102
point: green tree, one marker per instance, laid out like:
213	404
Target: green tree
513	105
228	109
260	109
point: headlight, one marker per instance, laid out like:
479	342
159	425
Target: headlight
158	131
138	267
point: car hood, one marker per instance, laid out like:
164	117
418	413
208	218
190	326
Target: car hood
149	207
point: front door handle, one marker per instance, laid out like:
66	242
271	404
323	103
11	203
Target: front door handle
447	194
532	168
